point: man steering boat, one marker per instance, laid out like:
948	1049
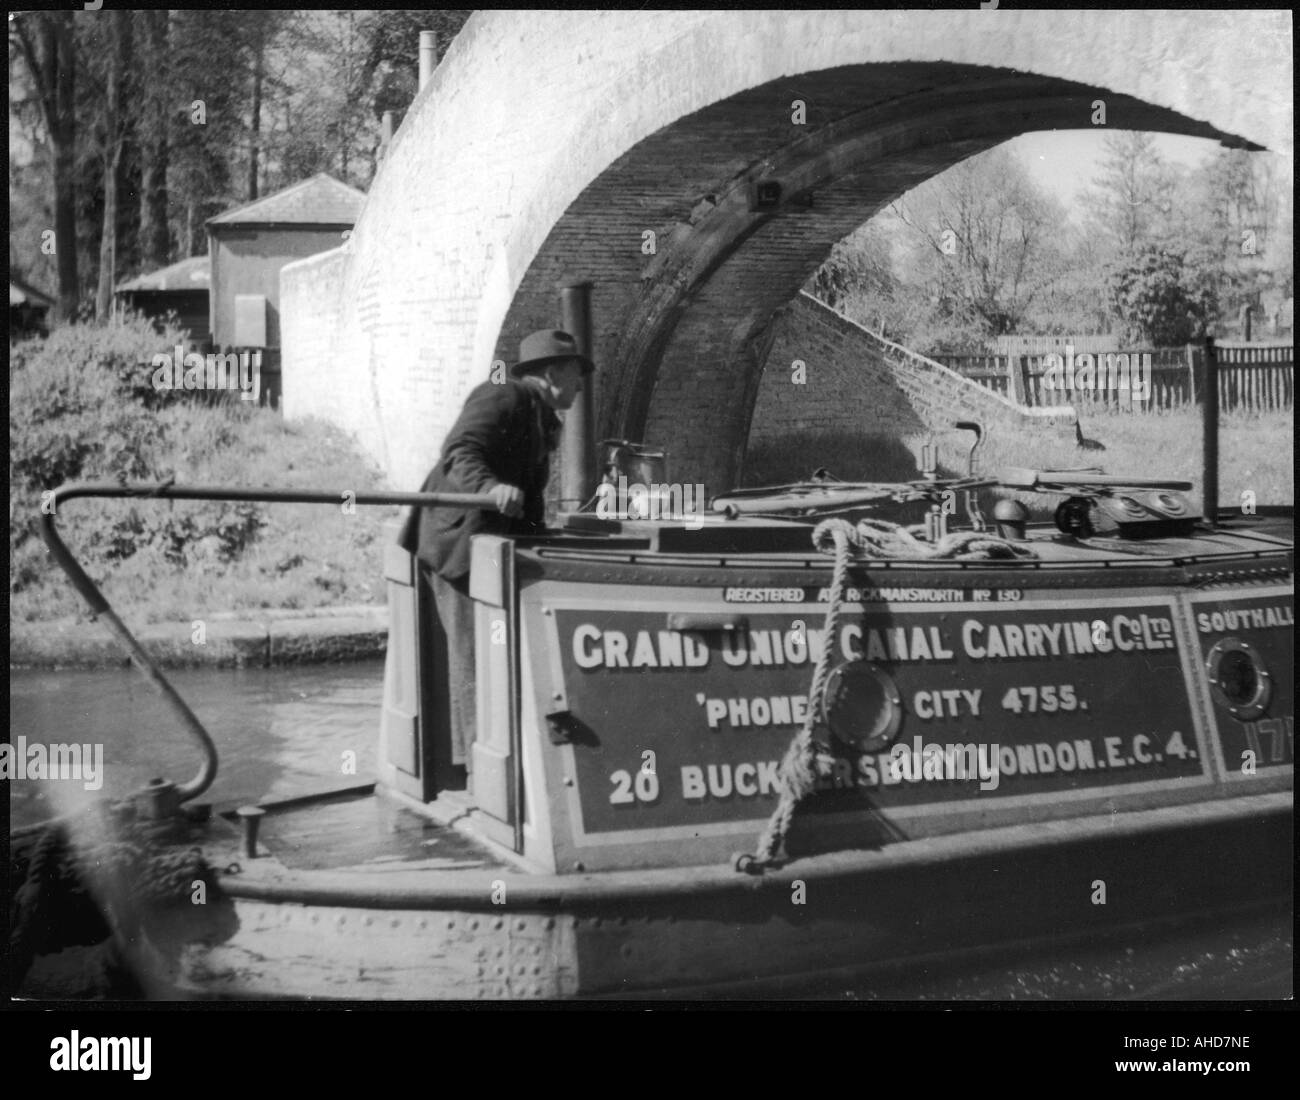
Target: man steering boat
500	445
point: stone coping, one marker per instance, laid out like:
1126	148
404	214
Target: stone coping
254	638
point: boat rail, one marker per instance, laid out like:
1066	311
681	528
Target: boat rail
168	490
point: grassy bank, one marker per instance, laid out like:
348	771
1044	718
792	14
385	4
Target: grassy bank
82	408
1256	452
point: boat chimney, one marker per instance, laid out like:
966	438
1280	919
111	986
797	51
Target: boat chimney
578	448
428	55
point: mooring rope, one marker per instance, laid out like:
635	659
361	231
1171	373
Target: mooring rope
876	539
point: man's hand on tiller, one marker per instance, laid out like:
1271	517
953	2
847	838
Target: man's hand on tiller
509	500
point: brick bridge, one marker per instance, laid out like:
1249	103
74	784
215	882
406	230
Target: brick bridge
622	148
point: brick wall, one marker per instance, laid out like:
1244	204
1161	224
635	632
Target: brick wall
857	381
848	387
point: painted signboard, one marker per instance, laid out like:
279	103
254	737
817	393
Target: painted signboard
995	701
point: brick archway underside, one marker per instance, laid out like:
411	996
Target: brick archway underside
681	333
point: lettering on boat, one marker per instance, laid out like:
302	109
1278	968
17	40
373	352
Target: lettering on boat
1252	618
1028	699
795	643
872	595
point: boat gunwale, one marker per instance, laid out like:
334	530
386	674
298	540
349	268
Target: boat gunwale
540	555
730	571
471	890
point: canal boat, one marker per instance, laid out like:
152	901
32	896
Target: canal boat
804	735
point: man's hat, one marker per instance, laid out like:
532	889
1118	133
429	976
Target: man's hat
549	345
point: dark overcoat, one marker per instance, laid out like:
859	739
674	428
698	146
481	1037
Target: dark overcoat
505	435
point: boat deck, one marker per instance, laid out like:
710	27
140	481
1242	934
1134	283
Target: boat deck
757	541
357	831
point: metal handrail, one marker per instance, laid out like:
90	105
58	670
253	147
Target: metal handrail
169	491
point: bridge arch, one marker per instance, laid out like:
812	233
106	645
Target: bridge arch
548	146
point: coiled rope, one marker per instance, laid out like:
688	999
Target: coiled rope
61	877
877	538
873	538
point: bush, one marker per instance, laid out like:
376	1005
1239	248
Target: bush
1162	299
83	408
80	410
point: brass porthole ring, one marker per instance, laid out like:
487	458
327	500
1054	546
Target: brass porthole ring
862	706
1238	678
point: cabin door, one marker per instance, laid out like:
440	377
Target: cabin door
416	754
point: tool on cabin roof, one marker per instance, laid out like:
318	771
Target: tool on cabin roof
1137	507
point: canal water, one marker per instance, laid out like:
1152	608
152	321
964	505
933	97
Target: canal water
291	731
279	732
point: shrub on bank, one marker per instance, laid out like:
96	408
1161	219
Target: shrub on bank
83	408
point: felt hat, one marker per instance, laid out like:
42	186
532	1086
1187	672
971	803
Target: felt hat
546	346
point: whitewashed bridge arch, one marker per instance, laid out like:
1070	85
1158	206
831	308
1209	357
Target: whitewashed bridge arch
548	144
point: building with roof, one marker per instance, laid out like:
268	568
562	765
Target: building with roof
28	308
180	288
249	245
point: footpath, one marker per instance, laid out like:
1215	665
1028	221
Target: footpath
240	639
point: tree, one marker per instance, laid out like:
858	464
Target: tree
970	254
986	245
389	76
144	124
152	38
206	136
46	43
329	125
858	267
1161	299
1134	200
313	124
259	32
1238	227
115	123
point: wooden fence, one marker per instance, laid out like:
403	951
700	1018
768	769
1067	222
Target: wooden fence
1252	377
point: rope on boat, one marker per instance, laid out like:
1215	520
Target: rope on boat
798	775
874	538
30	905
64	880
877	538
